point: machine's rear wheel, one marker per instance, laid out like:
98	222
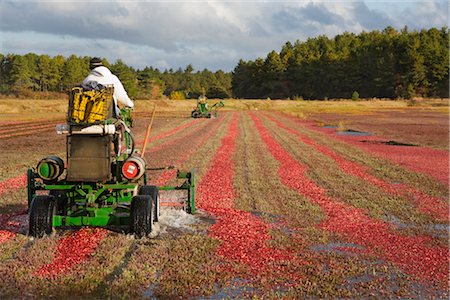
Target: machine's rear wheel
141	215
151	190
196	114
41	215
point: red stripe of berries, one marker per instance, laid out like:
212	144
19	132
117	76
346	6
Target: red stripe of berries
419	159
5	236
426	204
13	184
72	250
8	227
172	131
414	254
244	237
195	144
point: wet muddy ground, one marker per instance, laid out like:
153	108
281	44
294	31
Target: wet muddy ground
409	126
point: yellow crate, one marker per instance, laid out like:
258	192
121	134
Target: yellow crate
90	107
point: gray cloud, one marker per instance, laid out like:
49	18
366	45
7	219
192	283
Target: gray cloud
321	18
370	19
303	17
207	34
159	25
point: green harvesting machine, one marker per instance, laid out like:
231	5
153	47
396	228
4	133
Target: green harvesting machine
104	181
203	111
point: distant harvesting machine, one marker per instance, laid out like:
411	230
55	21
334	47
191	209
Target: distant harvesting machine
203	111
104	181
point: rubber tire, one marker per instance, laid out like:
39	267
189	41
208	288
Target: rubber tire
42	209
141	215
152	191
60	201
196	114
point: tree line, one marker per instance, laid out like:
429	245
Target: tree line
22	74
383	64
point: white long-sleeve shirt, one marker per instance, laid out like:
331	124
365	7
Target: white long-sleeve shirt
103	75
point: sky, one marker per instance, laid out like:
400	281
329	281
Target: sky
206	34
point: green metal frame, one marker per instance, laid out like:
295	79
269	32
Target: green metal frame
188	185
128	120
101	204
90	204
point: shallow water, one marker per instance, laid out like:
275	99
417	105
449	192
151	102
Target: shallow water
336	248
353	133
176	218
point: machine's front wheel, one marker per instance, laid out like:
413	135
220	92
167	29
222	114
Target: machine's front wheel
141	215
41	215
152	191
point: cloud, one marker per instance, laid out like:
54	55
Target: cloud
329	18
303	17
173	30
161	25
370	19
426	14
208	34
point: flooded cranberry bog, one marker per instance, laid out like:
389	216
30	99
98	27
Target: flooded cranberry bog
288	207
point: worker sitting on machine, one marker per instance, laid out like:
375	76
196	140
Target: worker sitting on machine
96	102
101	77
202	100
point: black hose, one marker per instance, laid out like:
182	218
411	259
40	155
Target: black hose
132	143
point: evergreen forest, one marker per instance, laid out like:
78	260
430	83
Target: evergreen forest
383	64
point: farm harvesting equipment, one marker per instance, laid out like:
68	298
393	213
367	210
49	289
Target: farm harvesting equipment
105	180
203	111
